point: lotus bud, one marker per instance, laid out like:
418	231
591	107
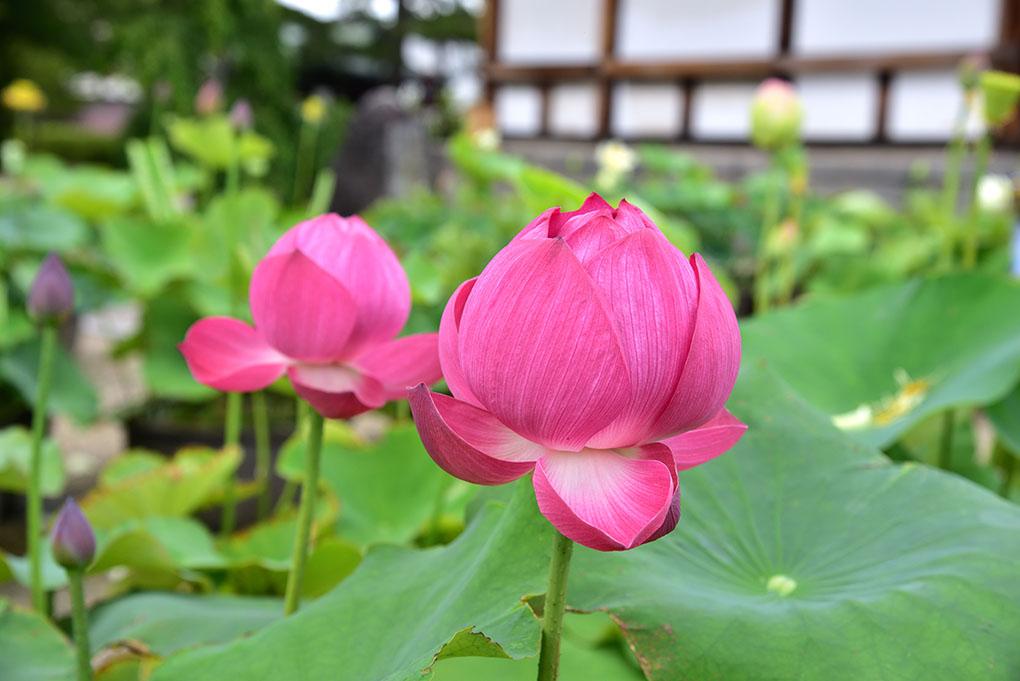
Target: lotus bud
313	109
241	116
1001	91
969	71
72	539
209	97
51	298
776	115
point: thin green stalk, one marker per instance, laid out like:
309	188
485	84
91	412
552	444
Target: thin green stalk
555	602
231	438
946	439
309	486
435	519
1009	469
981	154
34	511
80	623
304	164
769	217
286	498
951	183
263	450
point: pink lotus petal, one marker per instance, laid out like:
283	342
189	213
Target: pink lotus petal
538	348
564	224
653	294
449	344
631	218
697	446
300	309
598	233
470	443
602	499
335	391
402	363
539	227
710	369
670	521
227	354
353	254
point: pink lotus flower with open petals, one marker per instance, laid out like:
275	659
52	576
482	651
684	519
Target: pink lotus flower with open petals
593	351
327	301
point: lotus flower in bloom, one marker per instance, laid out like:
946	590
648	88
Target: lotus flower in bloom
593	351
327	301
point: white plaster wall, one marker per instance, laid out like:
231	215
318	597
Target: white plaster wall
696	29
923	105
518	109
549	31
647	109
841	106
871	26
722	110
573	110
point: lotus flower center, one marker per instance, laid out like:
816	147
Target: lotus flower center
781	584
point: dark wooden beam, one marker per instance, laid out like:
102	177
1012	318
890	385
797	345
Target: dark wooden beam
882	109
488	31
605	86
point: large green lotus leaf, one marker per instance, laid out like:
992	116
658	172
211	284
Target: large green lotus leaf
580	660
31	649
387	489
1005	415
802	554
393	617
902	352
148	255
177	488
168	623
71	392
15	459
210	140
39	227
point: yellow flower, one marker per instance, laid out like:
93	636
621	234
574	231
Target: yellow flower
23	95
313	109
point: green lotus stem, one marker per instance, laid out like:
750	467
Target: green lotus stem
946	439
981	154
286	498
769	216
435	519
80	623
231	439
263	450
1008	470
951	183
309	486
304	164
555	601
46	357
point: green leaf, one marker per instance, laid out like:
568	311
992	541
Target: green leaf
148	255
803	554
41	228
169	623
71	393
392	617
1005	416
31	649
177	488
209	140
15	458
167	319
387	489
885	359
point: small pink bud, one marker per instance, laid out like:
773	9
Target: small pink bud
51	298
241	116
209	97
776	115
72	539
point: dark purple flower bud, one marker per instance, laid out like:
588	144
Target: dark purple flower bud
241	116
209	97
72	539
51	297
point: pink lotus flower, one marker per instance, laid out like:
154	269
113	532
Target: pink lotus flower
327	301
592	351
